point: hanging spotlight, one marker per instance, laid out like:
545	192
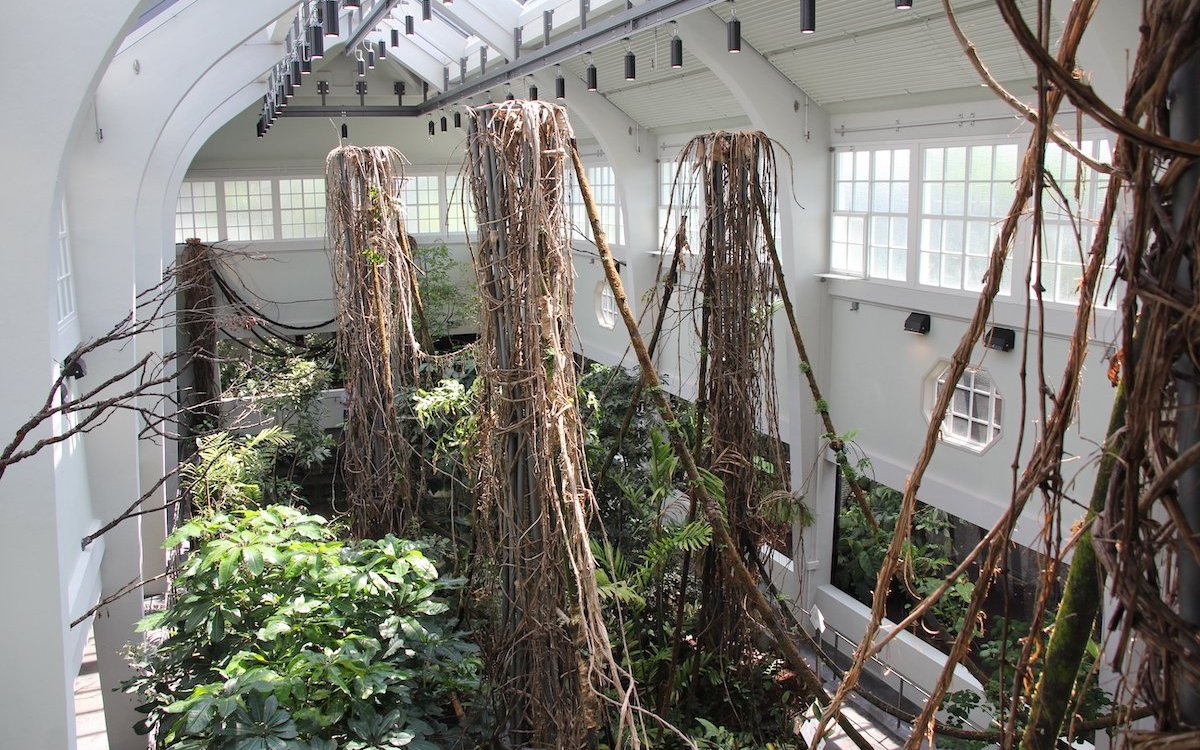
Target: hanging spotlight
432	128
426	10
808	16
458	119
261	126
676	48
305	65
351	4
316	46
331	19
533	92
443	123
630	63
560	86
395	37
591	75
296	72
733	34
904	4
382	55
370	59
289	88
409	26
345	132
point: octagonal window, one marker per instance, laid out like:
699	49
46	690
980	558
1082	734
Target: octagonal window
973	419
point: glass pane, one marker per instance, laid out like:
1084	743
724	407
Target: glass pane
845	165
979	433
1006	162
951	271
952	241
981	163
845	194
931	234
900	197
933	163
959	426
980	202
961	401
956	163
930	268
900	164
899	236
898	265
955	200
932	203
880	196
860	196
862	165
883	165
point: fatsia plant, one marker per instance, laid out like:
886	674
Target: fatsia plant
283	636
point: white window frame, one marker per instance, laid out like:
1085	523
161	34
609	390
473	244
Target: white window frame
965	409
1019	258
687	201
64	283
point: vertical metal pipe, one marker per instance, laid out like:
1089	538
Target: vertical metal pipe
1184	97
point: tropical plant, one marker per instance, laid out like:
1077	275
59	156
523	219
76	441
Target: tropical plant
236	471
282	636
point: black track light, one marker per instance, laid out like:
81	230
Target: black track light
591	77
261	127
305	65
382	47
351	4
370	59
426	10
676	52
362	68
409	26
560	87
345	132
630	66
533	93
296	73
432	128
733	35
904	4
316	48
808	16
331	19
444	123
395	37
289	88
458	119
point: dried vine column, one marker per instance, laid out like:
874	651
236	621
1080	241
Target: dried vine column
738	405
549	650
373	282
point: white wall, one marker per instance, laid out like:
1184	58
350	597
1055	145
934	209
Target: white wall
36	546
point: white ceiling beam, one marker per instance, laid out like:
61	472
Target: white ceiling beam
495	26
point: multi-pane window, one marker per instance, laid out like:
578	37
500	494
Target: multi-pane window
460	206
606	309
1069	228
870	213
967	192
249	210
679	199
66	288
423	204
196	211
603	181
301	208
974	417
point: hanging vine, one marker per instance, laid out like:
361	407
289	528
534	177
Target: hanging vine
547	649
374	283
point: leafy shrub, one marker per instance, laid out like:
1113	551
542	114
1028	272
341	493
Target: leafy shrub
282	636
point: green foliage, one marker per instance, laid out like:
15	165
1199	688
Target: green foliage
447	303
235	471
927	553
282	636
